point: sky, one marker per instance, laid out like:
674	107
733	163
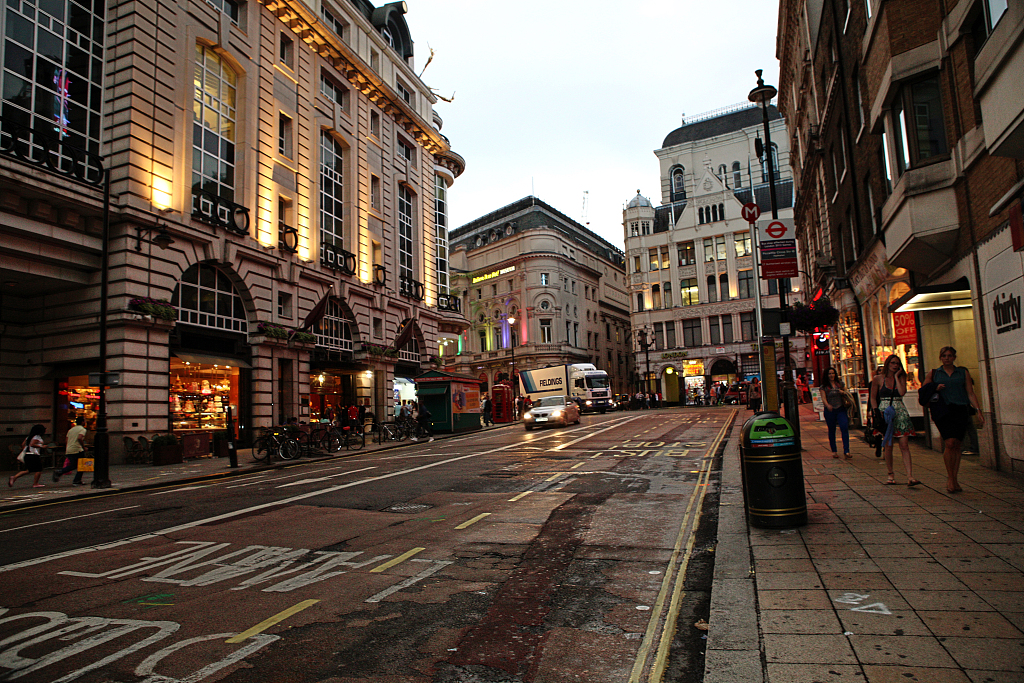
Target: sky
565	100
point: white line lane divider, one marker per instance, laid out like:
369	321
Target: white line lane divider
600	431
64	519
316	479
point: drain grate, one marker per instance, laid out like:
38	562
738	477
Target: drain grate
407	507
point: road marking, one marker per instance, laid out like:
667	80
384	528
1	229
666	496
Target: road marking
579	464
397	560
316	479
64	519
177	489
555	476
437	565
473	521
615	424
522	495
276	619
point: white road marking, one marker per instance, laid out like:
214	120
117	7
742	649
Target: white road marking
177	489
316	479
64	519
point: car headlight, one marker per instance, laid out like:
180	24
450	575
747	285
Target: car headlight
528	415
590	403
556	413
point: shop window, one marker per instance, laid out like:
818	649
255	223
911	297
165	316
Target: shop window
205	297
334	331
200	395
75	398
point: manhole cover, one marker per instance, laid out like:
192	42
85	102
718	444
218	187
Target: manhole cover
408	507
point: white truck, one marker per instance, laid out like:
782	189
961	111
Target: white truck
583	382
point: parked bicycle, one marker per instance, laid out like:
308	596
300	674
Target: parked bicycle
389	431
274	441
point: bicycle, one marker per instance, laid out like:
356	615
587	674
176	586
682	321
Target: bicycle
325	438
351	438
389	431
274	440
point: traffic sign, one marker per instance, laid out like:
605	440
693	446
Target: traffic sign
751	212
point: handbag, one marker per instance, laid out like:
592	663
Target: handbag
86	464
21	456
847	399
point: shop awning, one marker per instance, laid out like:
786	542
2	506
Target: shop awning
431	389
951	295
209	359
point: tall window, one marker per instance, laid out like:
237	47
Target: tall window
709	249
659	336
723	174
745	281
748	326
688	292
678	184
686	253
332	199
666	291
205	297
404	232
726	329
656	296
723	284
333	90
712	289
284	136
545	331
918	123
720	251
334	331
640	301
441	225
670	334
545	279
213	134
716	334
691	332
53	64
742	243
653	258
737	176
775	163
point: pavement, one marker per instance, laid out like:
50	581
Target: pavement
884	584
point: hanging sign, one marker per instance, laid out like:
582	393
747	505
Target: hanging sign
777	242
904	328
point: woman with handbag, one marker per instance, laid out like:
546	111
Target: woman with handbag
837	402
954	384
892	421
30	456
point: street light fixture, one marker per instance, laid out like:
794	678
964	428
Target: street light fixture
641	339
763	94
512	345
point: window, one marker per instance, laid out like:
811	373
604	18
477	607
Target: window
378	328
284	305
636	264
723	174
482	332
748	326
860	101
670	334
545	279
405	225
737	176
205	297
403	92
664	258
659	336
634	228
213	135
284	136
720	251
742	243
688	292
640	301
775	163
441	228
686	254
645	227
286	51
656	296
726	329
333	90
545	305
334	331
406	152
691	332
653	258
918	126
333	22
723	282
573	286
376	200
709	249
994	10
716	335
667	292
712	289
375	124
678	183
745	282
228	7
374	60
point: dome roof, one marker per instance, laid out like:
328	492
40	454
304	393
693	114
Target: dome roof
639	200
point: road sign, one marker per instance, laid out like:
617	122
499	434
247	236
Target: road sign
777	243
751	212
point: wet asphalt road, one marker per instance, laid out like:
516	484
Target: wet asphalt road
568	554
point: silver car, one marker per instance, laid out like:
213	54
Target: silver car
558	410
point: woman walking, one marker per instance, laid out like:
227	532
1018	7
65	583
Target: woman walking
955	386
887	392
835	411
33	445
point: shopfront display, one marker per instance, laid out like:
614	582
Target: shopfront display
201	394
330	391
75	398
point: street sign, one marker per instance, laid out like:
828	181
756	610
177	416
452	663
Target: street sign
751	212
777	242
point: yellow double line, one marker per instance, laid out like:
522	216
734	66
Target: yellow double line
662	626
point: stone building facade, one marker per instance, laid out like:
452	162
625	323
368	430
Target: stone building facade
909	167
692	283
273	166
564	287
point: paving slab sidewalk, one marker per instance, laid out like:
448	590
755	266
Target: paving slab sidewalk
884	584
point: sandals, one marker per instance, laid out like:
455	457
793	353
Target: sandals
912	482
891	480
835	455
847	456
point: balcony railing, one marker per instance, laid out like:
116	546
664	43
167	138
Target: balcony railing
449	302
411	288
23	144
219	212
336	258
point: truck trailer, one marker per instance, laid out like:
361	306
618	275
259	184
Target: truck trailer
583	382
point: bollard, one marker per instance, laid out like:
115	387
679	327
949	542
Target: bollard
232	454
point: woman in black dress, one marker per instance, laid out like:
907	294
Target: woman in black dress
33	445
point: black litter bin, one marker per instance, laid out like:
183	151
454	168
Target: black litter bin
773	474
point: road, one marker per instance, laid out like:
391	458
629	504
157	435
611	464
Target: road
580	553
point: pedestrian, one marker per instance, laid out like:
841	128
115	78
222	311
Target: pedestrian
73	450
878	439
954	385
488	411
892	421
31	450
833	391
754	395
422	416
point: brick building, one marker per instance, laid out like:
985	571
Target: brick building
908	136
267	161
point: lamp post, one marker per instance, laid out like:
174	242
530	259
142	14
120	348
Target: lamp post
763	94
641	339
512	346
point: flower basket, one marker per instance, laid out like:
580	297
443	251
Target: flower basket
817	314
304	337
158	308
379	350
272	330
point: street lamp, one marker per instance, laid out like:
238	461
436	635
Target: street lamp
763	94
641	339
512	345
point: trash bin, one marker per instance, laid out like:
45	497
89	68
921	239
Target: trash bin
773	475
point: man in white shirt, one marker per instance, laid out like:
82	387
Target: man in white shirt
74	449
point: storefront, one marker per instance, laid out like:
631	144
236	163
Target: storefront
75	398
330	390
204	392
693	378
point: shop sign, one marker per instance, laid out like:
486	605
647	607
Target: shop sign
1002	303
493	273
904	328
1006	312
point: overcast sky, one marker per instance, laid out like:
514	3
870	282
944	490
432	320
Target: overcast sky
559	98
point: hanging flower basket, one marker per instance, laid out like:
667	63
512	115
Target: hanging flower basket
158	308
272	330
379	350
817	314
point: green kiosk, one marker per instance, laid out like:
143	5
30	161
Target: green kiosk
453	400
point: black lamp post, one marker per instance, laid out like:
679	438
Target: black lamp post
763	94
512	346
641	339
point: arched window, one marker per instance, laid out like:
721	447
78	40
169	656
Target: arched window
678	183
712	290
656	296
213	135
334	331
205	297
723	175
737	178
721	212
723	281
700	215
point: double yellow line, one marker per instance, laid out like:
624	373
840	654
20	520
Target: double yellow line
661	628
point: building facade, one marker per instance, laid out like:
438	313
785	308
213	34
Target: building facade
273	166
541	287
692	282
910	179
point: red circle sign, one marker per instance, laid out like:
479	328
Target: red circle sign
776	229
751	212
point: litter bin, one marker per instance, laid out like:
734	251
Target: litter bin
773	475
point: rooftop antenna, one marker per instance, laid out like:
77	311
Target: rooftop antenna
583	217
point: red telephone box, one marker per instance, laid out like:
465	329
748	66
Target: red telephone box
502	403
